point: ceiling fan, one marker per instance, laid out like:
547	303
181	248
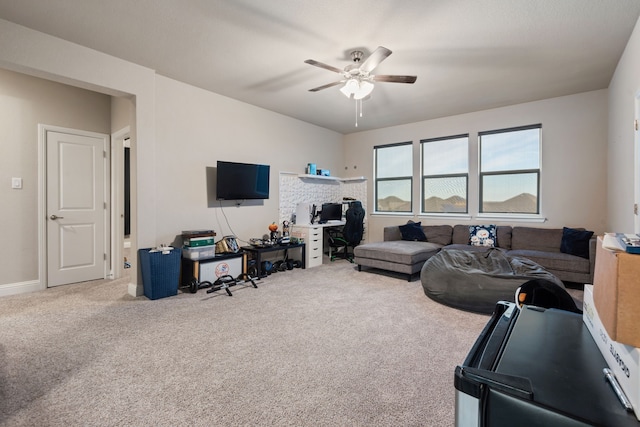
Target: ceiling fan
357	78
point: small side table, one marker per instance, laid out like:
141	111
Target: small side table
257	252
218	272
212	268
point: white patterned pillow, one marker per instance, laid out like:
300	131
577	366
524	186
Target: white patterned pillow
483	235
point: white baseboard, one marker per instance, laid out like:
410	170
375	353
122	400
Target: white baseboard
135	290
20	288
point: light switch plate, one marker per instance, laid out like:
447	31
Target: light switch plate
16	183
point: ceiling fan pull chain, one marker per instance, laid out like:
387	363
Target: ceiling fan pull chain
360	107
356	113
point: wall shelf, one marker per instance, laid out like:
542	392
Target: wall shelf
331	178
320	177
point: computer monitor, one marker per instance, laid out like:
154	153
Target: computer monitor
331	212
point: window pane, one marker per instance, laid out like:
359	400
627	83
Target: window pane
512	193
515	150
394	161
446	194
448	156
394	195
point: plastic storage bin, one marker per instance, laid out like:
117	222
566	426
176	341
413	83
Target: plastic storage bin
200	252
160	272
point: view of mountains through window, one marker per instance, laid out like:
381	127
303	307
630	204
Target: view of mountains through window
522	203
507	180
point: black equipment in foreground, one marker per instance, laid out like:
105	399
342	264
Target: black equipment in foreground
536	367
223	282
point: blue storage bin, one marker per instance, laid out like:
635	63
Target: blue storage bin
160	272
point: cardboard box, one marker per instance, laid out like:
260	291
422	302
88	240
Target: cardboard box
623	360
616	294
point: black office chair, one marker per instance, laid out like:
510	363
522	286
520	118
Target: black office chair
350	236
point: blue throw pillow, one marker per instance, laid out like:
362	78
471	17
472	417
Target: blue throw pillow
483	235
413	231
575	242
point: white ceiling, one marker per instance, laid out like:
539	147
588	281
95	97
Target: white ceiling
469	55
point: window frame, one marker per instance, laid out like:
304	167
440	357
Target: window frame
377	180
423	176
506	172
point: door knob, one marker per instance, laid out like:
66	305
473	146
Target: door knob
56	217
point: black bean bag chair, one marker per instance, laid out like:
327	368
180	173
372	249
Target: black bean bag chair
475	281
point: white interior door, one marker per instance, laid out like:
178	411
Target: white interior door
76	211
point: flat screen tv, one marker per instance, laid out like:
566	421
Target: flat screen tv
242	181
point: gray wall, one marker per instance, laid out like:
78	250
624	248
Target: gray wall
624	107
573	176
26	102
178	132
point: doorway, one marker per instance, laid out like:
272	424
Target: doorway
76	215
120	202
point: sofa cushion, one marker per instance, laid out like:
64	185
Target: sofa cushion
554	260
482	235
398	251
536	239
575	242
440	234
391	233
504	236
412	231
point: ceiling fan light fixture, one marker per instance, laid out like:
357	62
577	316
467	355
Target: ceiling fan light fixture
350	87
364	90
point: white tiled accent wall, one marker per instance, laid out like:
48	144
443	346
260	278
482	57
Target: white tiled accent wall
296	189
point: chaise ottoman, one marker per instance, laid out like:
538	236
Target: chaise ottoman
401	256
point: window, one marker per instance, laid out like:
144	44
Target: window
445	174
510	170
393	177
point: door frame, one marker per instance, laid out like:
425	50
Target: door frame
117	201
42	196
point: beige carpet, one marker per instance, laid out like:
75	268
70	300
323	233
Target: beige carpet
328	346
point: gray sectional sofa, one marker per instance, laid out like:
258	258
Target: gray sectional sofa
541	245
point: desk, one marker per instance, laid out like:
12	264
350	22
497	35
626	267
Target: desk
314	238
257	254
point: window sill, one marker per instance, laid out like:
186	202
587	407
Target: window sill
462	216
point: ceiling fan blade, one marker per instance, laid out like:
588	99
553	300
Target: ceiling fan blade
394	79
378	55
328	85
325	66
